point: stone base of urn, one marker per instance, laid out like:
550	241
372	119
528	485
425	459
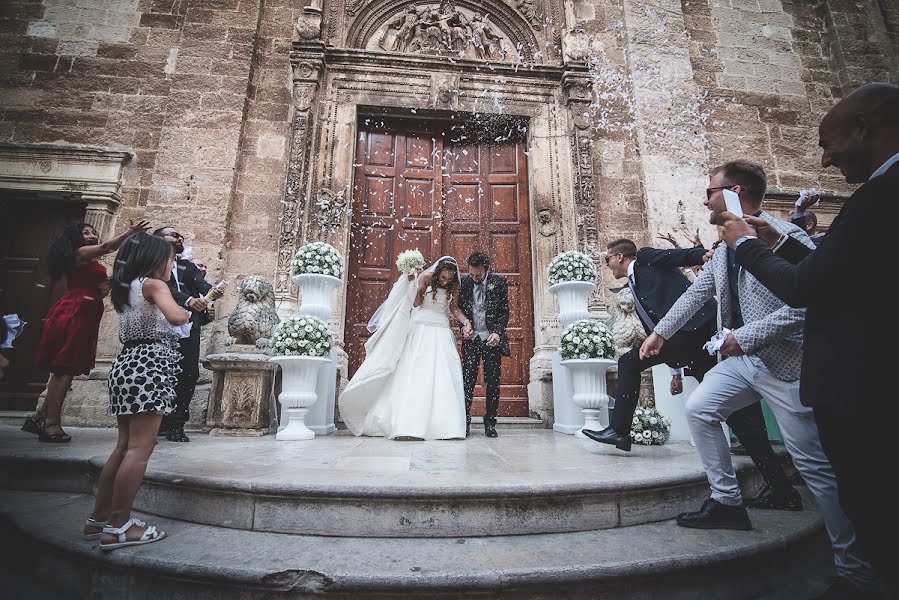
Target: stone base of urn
320	418
240	398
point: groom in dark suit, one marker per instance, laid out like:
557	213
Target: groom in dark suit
484	298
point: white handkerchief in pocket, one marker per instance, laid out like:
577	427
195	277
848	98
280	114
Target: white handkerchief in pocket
713	345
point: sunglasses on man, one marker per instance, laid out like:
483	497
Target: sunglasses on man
712	190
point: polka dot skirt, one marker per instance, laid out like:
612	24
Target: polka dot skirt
143	378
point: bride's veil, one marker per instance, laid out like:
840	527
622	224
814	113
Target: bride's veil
401	288
389	325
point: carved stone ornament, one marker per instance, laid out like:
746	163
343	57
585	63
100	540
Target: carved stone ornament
303	95
239	398
330	209
546	221
254	318
445	30
530	10
309	24
293	205
305	71
353	5
625	325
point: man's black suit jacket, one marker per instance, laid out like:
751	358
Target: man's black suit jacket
497	307
192	285
845	285
660	282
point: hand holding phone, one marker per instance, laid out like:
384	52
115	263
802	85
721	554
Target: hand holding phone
732	201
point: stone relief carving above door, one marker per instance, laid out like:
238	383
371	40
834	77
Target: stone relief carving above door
447	31
490	30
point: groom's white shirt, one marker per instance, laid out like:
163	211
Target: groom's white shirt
479	308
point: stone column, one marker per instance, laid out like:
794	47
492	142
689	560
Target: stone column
307	62
99	214
578	94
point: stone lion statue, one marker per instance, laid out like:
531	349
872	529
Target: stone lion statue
625	323
254	319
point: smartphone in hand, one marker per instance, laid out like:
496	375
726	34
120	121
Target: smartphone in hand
732	201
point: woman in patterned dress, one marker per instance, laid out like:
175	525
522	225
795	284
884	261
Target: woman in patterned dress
141	385
68	345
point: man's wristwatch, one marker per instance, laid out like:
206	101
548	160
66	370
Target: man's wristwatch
742	239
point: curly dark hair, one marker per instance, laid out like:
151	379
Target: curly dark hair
61	258
445	264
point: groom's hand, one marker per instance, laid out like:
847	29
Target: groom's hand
493	339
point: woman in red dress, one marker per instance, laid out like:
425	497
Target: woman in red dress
68	345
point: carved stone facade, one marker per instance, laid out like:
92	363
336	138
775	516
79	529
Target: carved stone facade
626	106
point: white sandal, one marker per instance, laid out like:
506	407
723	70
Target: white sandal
92	522
151	534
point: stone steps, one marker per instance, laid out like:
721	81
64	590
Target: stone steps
531	514
40	531
243	489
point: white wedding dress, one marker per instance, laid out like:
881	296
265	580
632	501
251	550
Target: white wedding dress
410	383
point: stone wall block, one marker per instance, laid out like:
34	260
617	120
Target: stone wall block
159	21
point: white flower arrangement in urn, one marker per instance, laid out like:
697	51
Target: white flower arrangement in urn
318	258
572	266
410	261
302	335
587	338
649	427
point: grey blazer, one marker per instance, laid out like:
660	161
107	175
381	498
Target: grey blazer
772	330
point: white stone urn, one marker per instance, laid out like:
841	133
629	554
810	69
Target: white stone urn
316	294
299	376
572	297
589	383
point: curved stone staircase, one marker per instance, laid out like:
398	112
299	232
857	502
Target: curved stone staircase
532	514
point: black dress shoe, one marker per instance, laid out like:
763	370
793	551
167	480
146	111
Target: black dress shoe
769	499
843	589
177	435
714	515
490	431
610	436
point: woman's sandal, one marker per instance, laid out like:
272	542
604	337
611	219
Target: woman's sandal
53	438
92	522
151	534
34	425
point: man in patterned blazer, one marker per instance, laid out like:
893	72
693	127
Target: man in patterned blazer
763	354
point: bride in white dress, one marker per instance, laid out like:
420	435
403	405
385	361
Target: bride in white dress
410	383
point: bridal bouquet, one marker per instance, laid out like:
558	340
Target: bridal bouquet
410	261
571	266
318	258
649	427
587	338
302	335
